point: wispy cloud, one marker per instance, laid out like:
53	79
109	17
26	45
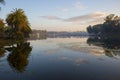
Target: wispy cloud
87	17
64	9
77	5
79	22
92	18
51	17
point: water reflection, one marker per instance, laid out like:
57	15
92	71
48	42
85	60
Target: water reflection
18	55
2	51
111	46
59	59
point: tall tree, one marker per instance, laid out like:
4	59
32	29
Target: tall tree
18	22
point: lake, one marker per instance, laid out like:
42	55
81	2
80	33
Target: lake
61	59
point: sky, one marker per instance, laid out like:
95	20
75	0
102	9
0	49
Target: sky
63	15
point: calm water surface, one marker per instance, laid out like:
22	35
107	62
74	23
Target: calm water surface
60	59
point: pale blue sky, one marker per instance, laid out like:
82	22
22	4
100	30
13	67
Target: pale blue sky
63	15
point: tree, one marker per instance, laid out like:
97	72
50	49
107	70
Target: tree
89	29
18	22
109	18
110	27
1	25
1	28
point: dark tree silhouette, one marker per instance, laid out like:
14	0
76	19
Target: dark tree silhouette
111	46
18	56
2	51
111	27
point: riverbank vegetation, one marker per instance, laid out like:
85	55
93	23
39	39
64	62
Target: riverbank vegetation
110	28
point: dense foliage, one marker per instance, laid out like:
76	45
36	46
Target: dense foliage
1	25
111	26
17	25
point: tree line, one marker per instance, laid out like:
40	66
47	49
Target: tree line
110	27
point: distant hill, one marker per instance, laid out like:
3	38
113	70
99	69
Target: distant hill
66	34
43	34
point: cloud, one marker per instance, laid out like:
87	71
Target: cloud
88	17
51	17
78	22
91	19
78	5
64	9
75	6
95	21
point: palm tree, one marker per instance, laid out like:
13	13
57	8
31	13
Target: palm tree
18	22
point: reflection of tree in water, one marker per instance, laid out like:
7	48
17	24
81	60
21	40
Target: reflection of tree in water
2	52
18	56
111	46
